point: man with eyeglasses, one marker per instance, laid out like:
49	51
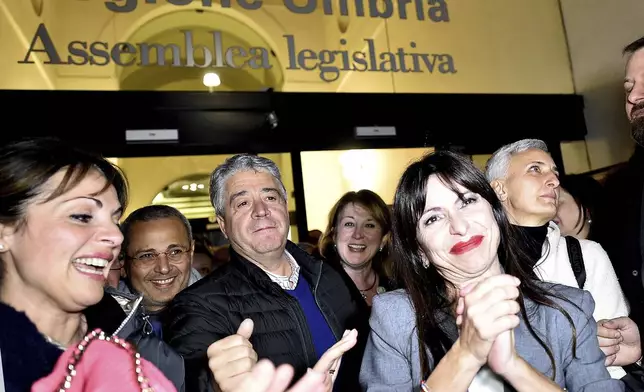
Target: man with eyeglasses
157	254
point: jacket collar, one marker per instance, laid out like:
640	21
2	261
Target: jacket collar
310	268
551	245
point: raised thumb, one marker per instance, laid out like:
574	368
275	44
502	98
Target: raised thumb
246	328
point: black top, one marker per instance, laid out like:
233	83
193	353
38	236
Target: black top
534	238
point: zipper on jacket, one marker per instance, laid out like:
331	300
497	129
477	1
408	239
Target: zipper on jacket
315	297
308	343
300	319
129	316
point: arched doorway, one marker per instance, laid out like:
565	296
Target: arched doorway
202	28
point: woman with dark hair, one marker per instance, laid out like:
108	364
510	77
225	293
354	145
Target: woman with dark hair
579	195
472	316
59	235
356	241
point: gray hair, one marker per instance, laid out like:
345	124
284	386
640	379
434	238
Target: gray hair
497	166
234	165
152	213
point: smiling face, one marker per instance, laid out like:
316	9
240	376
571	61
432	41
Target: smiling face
358	236
256	218
160	255
62	254
458	234
530	190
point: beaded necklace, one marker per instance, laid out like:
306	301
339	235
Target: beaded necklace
82	347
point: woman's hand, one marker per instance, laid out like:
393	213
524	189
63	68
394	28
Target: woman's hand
329	363
486	314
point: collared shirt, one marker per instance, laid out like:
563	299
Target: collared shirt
286	282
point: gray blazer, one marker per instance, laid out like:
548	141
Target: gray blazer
391	361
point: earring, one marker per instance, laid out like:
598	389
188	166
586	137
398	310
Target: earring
380	250
426	263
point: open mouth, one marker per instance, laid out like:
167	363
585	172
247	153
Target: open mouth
163	283
94	267
357	248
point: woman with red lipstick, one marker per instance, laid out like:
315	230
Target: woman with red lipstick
472	317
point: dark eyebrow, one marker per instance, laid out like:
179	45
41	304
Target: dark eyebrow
147	250
460	198
431	209
99	203
176	246
268	190
236	195
243	193
117	212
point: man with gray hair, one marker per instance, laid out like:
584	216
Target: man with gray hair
526	180
272	300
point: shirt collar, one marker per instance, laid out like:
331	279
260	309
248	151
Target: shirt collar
286	282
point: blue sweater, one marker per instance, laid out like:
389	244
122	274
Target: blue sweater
321	333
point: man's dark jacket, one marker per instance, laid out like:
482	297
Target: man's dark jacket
214	307
618	227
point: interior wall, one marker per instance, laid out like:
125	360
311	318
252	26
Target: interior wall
492	43
330	174
148	176
18	21
498	46
597	31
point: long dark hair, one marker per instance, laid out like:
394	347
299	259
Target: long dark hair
427	289
587	194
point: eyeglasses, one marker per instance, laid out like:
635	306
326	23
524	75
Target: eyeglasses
173	255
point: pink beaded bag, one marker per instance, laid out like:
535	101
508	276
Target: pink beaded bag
103	364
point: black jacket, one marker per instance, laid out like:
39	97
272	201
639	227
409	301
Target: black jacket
619	228
123	315
214	307
26	355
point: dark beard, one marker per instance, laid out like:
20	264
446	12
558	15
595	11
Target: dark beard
637	123
637	130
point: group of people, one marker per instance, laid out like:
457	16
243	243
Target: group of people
467	284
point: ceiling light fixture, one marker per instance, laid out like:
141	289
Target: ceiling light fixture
211	79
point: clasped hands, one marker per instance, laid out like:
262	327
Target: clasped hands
233	363
486	313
